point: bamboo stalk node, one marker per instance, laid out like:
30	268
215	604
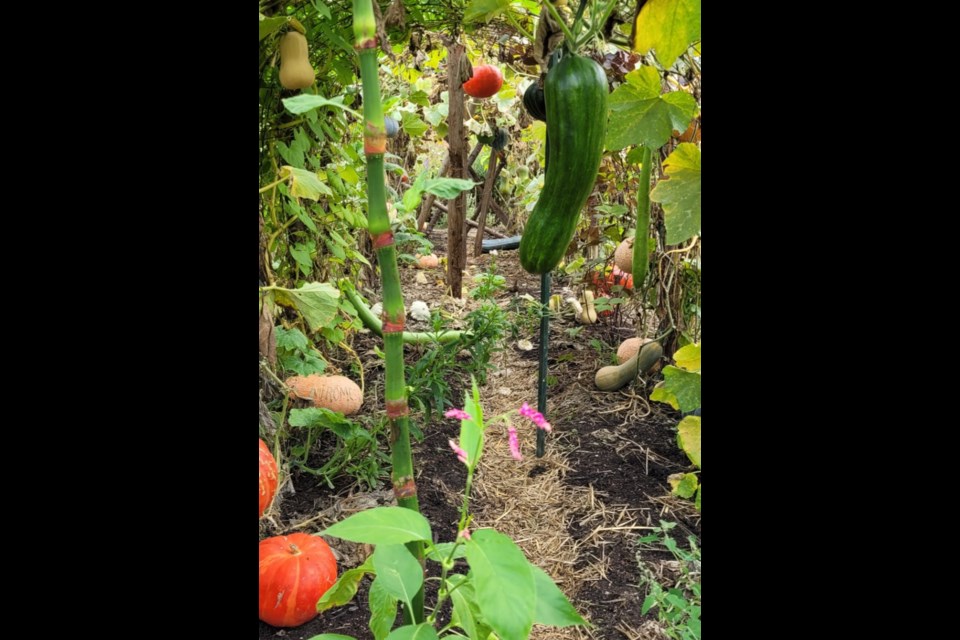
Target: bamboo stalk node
397	408
405	487
392	327
381	240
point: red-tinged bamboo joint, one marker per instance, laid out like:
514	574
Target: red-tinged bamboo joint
397	408
390	326
406	489
380	240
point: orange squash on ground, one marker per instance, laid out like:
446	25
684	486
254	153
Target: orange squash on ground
337	393
295	571
268	477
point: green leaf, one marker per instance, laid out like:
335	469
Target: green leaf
424	631
661	394
383	610
697	503
552	606
398	571
471	431
684	385
322	9
464	604
318	417
688	357
302	253
308	102
413	195
504	583
305	183
332	636
679	193
648	602
669	27
419	98
382	525
412	124
484	10
441	551
291	339
447	187
345	587
640	115
689	438
683	484
270	25
317	302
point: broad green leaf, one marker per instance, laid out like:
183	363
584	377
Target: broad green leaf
345	587
302	253
684	385
291	339
504	583
322	9
308	102
413	195
464	604
688	357
552	606
471	431
484	10
270	25
398	571
412	124
424	631
447	187
349	175
669	27
661	394
640	115
679	193
305	183
689	438
683	484
420	98
383	610
382	525
317	302
441	551
318	417
332	636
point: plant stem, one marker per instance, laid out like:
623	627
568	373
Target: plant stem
544	346
641	258
373	323
516	25
571	41
395	389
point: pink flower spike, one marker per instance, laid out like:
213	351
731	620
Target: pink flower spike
536	417
459	414
514	444
461	454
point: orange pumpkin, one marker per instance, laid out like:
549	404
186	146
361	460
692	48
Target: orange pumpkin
268	477
295	571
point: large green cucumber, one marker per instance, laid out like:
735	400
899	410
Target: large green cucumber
576	95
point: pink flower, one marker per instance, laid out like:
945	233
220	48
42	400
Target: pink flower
535	416
459	414
465	534
514	444
461	454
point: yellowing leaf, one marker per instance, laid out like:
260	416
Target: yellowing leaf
304	183
668	27
688	357
679	193
689	438
683	484
661	394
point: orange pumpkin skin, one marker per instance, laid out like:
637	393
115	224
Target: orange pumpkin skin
268	477
295	571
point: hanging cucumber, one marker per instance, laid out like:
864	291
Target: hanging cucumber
575	93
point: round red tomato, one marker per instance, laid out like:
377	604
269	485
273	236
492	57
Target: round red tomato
268	477
486	81
295	571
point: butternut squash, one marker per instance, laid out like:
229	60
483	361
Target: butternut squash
295	69
616	376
